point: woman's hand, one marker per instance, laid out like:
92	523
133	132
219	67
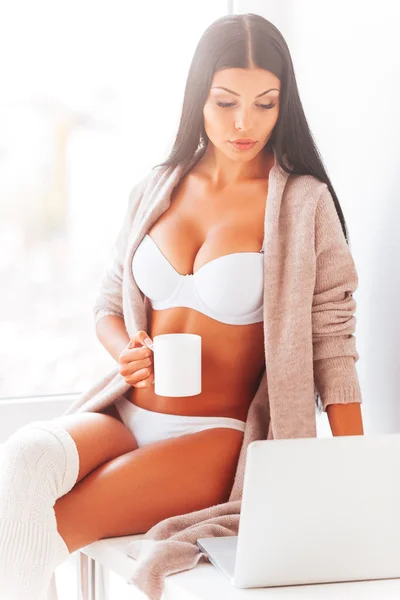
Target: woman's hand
136	362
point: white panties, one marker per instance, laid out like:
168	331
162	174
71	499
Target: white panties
148	426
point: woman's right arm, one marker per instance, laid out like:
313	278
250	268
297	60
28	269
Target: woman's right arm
108	310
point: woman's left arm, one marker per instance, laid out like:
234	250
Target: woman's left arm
345	419
333	322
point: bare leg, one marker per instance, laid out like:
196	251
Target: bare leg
40	463
131	493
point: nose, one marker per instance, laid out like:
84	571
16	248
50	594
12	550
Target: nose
243	121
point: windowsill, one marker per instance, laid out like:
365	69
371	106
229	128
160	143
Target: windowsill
19	411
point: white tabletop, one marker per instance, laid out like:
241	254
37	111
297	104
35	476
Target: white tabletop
205	582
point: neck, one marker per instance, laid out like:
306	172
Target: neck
222	171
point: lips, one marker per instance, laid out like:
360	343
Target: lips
244	141
243	144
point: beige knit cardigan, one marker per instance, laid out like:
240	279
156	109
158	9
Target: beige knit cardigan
309	280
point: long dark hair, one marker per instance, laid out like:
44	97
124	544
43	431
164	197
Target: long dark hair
236	41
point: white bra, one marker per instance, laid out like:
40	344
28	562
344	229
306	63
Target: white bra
228	288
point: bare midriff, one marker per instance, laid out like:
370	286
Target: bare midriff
232	363
199	226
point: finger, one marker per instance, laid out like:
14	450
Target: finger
143	339
146	383
132	367
135	354
138	376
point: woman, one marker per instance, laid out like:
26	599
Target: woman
243	177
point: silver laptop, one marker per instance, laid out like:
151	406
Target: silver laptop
315	511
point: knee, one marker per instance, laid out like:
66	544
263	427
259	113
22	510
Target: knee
41	451
21	447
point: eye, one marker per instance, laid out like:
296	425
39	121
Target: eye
225	104
230	104
267	106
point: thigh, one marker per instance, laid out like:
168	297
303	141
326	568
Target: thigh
133	492
99	438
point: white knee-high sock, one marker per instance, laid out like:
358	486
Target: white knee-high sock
39	463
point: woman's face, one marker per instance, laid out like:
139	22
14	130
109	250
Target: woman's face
242	104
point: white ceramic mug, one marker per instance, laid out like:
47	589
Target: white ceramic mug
177	364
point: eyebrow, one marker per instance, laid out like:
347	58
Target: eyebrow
236	94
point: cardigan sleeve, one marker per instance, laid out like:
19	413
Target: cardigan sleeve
333	308
109	297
